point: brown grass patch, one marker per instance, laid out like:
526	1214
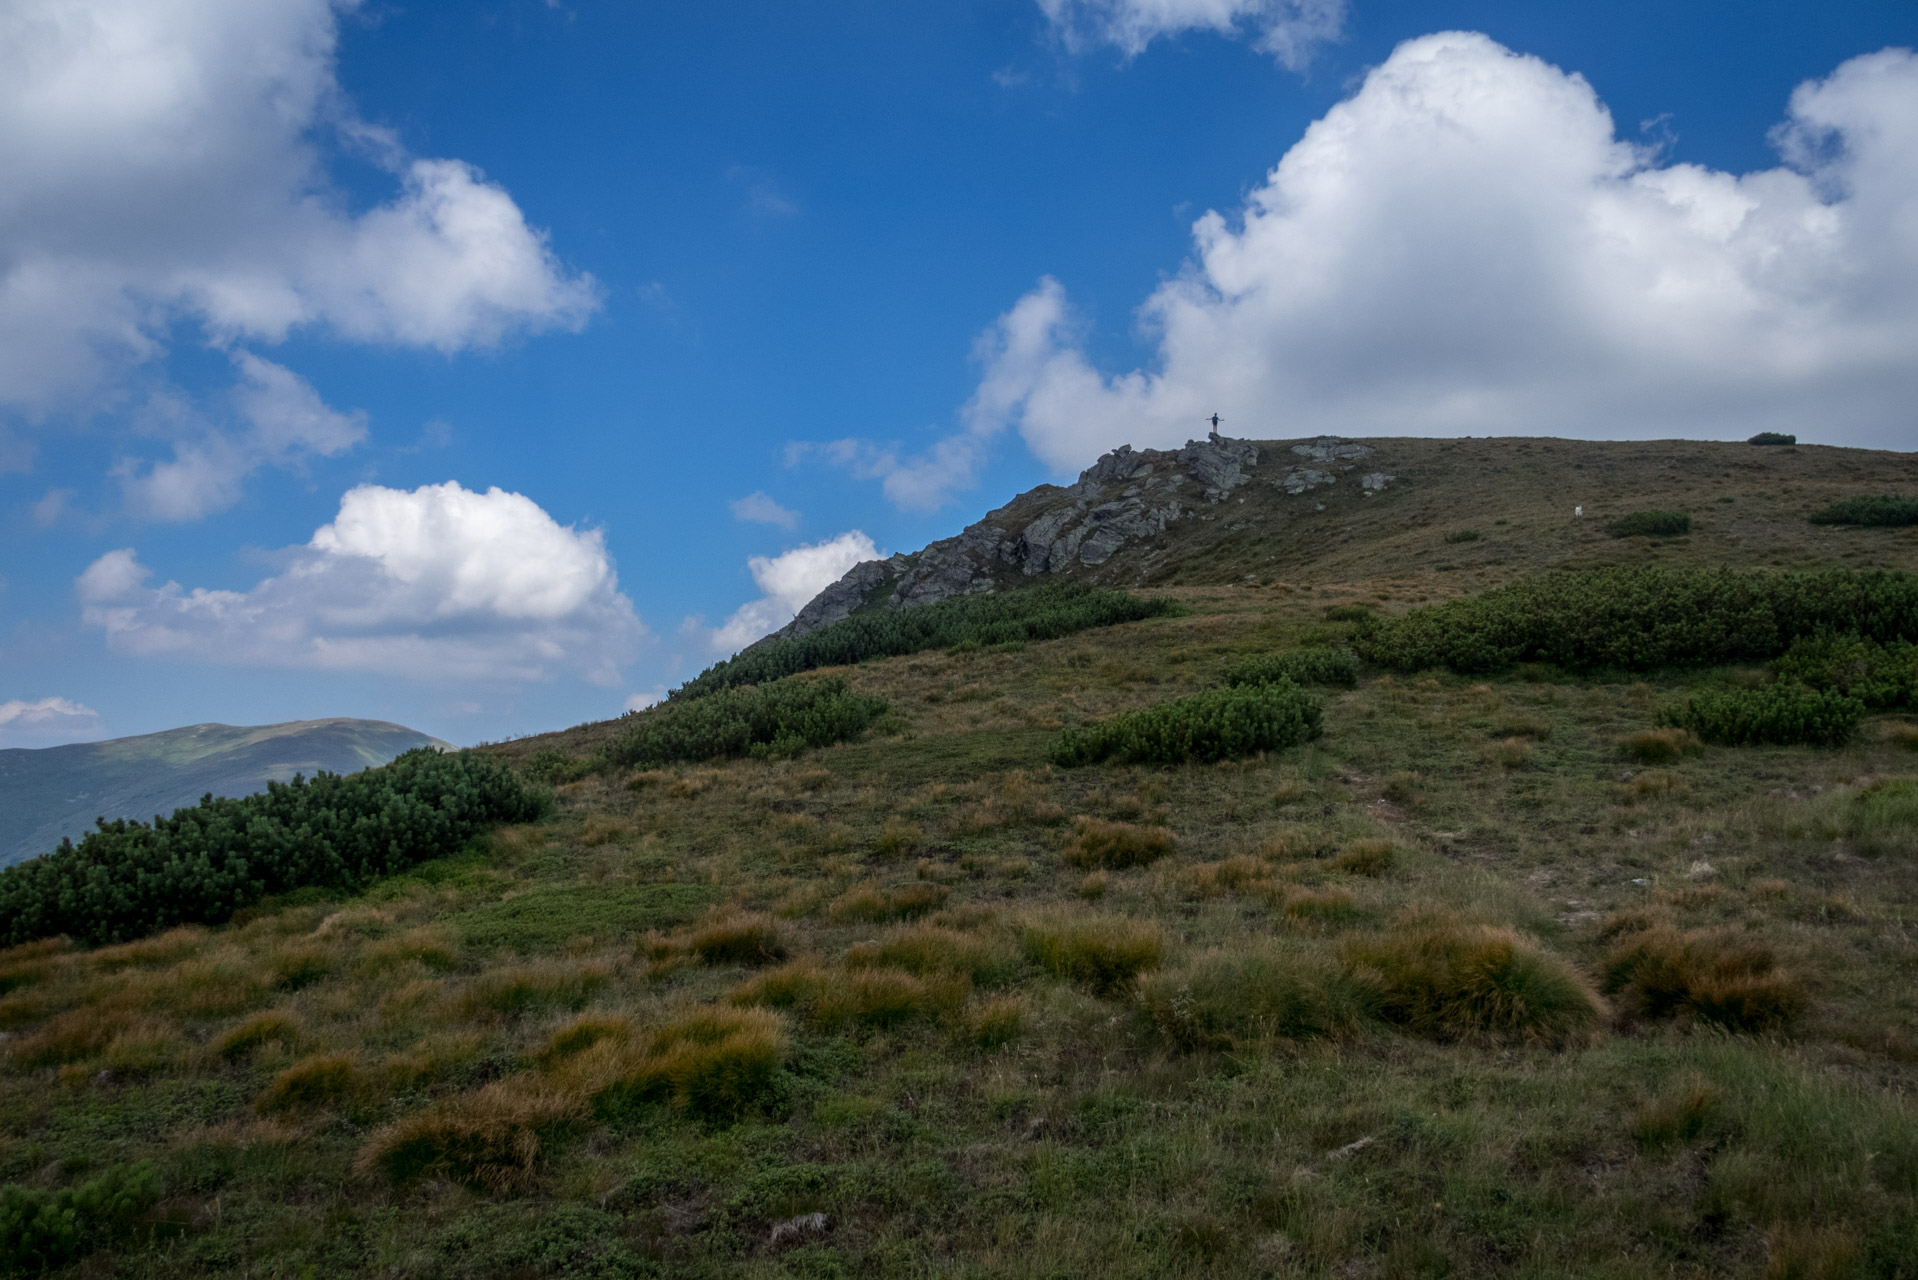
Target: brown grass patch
1097	842
716	1062
1653	784
897	838
1402	789
1327	906
1710	975
1094	885
515	989
263	1028
1230	875
580	1034
1509	753
491	1138
1294	844
872	904
997	1022
1678	1114
747	938
426	946
1660	746
1367	858
1453	980
928	949
315	1082
1103	953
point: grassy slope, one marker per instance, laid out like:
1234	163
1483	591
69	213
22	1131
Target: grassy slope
58	791
1088	1144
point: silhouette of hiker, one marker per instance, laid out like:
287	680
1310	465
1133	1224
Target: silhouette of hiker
1215	424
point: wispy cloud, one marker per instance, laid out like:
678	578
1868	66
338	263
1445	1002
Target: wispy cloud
47	723
757	508
1290	30
765	195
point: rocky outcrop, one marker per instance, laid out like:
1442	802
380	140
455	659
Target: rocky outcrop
1126	497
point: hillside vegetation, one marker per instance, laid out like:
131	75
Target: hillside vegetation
1393	916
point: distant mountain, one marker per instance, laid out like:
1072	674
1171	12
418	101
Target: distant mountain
53	792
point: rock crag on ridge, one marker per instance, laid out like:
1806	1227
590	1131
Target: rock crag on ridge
1114	515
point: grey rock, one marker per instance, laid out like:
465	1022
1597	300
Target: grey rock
1296	482
1332	449
838	601
799	1227
1375	480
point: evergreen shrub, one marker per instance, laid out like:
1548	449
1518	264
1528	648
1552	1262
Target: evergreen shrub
1782	714
1888	511
1643	618
1882	676
1319	664
1219	724
1772	437
129	879
41	1230
969	622
777	719
1650	524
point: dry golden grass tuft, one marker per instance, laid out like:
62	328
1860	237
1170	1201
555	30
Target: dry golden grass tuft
1509	753
1093	886
897	838
1367	858
1295	843
1234	998
1653	784
1239	874
579	1034
429	946
431	1059
603	828
717	1062
297	964
872	904
1803	1251
491	1138
1402	789
1718	976
315	1082
996	1022
1097	842
269	1026
1678	1114
514	989
67	1037
1452	979
1101	952
1660	746
930	949
1323	906
747	938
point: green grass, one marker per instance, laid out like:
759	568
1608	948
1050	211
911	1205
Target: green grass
545	917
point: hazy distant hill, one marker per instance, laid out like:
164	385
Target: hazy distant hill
58	791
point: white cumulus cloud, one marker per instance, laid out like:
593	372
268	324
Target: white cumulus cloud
1289	30
282	420
437	583
757	508
789	582
47	723
165	161
1465	245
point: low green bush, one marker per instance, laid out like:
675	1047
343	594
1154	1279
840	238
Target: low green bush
1643	618
1882	676
41	1230
1772	437
969	622
1782	714
1219	724
128	879
1317	665
1888	511
1462	535
777	719
1650	524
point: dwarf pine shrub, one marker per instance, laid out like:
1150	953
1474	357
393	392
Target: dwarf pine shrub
1886	511
129	879
41	1230
1882	676
1773	438
1009	617
1317	665
1643	618
779	719
1219	724
1650	524
1780	714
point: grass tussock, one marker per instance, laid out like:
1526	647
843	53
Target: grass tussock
269	1026
996	1022
744	938
1679	1113
1731	980
490	1139
1103	953
1240	874
1660	746
316	1082
579	1034
1454	980
864	995
717	1062
515	989
1329	905
427	946
874	904
1099	842
929	950
1236	998
1367	858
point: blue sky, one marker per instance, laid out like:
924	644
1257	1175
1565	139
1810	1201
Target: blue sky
721	297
